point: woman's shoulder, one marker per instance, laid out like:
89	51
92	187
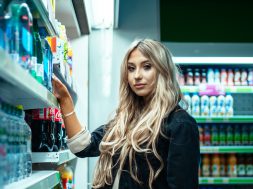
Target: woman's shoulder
179	118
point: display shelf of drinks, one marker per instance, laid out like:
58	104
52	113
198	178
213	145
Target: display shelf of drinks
53	157
221	119
213	60
19	87
227	89
226	180
226	149
45	17
38	180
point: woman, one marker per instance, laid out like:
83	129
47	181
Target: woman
151	142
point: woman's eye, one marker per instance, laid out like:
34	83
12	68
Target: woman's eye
147	67
130	68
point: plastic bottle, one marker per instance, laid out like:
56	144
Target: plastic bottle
210	76
250	77
207	136
204	105
232	168
19	32
2	25
245	135
237	77
230	77
249	165
222	165
241	167
203	76
237	135
244	77
189	77
214	136
67	177
224	77
195	105
251	135
217	76
206	171
215	165
201	135
230	135
196	77
222	135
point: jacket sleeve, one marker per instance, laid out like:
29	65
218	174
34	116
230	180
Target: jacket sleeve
92	150
183	156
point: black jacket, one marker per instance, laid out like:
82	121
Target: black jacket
180	154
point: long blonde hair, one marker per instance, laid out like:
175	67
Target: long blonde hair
137	125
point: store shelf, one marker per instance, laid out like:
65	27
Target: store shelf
226	149
58	74
226	180
213	60
53	157
228	89
18	87
38	180
234	119
43	14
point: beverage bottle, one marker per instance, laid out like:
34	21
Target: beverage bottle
206	170
237	135
237	77
249	165
229	102
214	136
250	77
67	177
181	79
195	105
224	77
196	77
203	76
207	136
217	76
230	135
215	165
204	105
222	136
3	40
210	76
64	137
245	135
187	98
19	32
58	129
222	165
232	162
251	135
189	77
213	106
241	168
244	77
201	135
230	77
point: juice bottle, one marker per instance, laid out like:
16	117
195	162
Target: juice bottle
201	135
224	77
206	172
215	165
232	168
196	77
203	76
251	135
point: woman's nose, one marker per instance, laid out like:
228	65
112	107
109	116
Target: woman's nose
138	74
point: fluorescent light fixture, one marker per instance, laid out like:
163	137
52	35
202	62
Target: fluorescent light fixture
102	14
213	60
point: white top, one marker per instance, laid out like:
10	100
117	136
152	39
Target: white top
79	142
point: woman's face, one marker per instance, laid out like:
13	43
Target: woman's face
142	75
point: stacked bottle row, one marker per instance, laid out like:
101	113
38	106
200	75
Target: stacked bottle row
212	106
227	77
226	135
30	46
15	145
226	165
48	131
